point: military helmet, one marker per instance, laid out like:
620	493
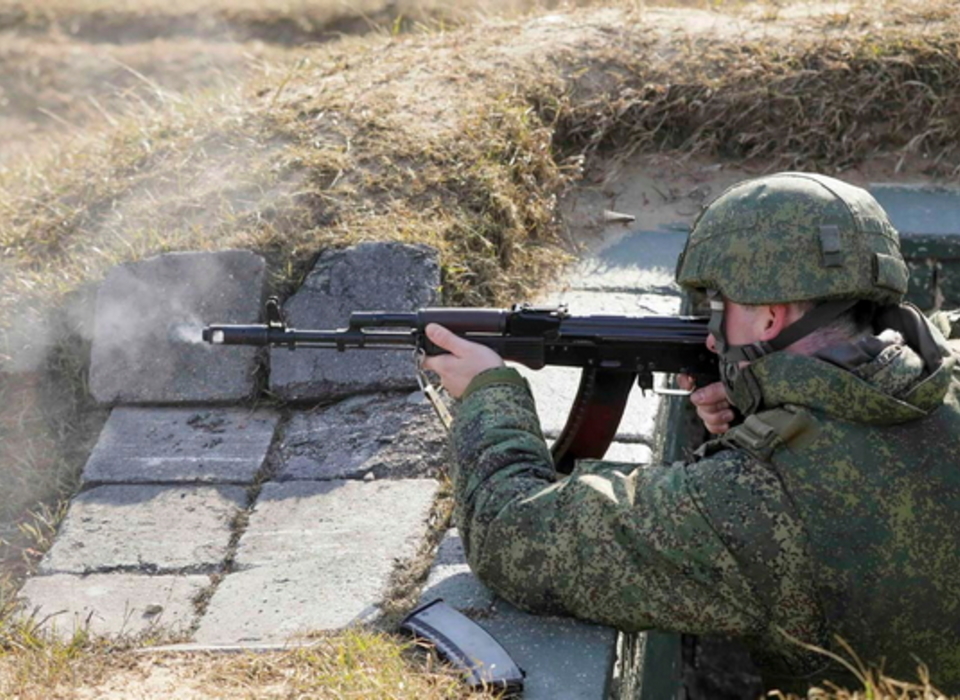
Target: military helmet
795	237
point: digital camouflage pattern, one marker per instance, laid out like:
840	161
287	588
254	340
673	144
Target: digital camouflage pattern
836	512
795	237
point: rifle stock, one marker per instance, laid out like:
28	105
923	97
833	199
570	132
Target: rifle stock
613	351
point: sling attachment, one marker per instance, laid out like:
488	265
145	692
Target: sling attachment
431	392
762	434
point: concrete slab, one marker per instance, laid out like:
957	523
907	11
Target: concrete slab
590	303
373	436
113	605
216	445
630	453
316	556
450	578
366	277
279	604
633	261
920	209
564	659
146	529
147	346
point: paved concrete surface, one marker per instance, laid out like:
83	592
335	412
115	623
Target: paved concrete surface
367	436
116	604
192	445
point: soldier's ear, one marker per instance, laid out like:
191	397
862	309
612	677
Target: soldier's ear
774	318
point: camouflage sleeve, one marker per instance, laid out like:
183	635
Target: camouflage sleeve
627	547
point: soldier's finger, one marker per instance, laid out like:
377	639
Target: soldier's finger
447	339
710	394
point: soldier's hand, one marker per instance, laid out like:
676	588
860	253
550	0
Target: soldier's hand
713	408
465	361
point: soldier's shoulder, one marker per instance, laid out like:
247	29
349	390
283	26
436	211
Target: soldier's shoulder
733	476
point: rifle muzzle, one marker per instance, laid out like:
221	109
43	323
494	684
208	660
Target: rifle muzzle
237	335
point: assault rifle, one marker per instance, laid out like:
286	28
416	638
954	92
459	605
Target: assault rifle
614	351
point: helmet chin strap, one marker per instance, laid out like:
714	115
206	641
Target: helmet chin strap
741	385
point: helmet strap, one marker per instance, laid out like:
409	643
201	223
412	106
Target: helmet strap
741	384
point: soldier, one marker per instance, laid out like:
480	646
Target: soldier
832	509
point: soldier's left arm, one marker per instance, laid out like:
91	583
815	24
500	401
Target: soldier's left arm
623	546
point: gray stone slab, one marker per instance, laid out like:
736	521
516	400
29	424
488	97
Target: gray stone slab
590	303
554	389
146	528
112	604
366	277
626	452
316	556
372	436
635	261
629	452
215	445
920	209
277	604
564	659
450	578
146	344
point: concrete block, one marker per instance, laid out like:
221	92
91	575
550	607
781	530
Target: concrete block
450	578
317	556
366	277
593	303
920	209
629	452
636	261
147	529
564	659
216	445
374	435
280	603
146	344
112	604
363	521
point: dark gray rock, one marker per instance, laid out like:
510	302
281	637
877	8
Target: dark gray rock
147	346
373	436
112	604
146	529
207	445
365	277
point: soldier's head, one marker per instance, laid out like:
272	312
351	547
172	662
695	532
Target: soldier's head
784	256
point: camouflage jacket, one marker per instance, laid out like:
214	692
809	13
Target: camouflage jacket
835	511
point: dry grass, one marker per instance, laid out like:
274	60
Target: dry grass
352	664
874	684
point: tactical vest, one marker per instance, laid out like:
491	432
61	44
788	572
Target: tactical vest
881	508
